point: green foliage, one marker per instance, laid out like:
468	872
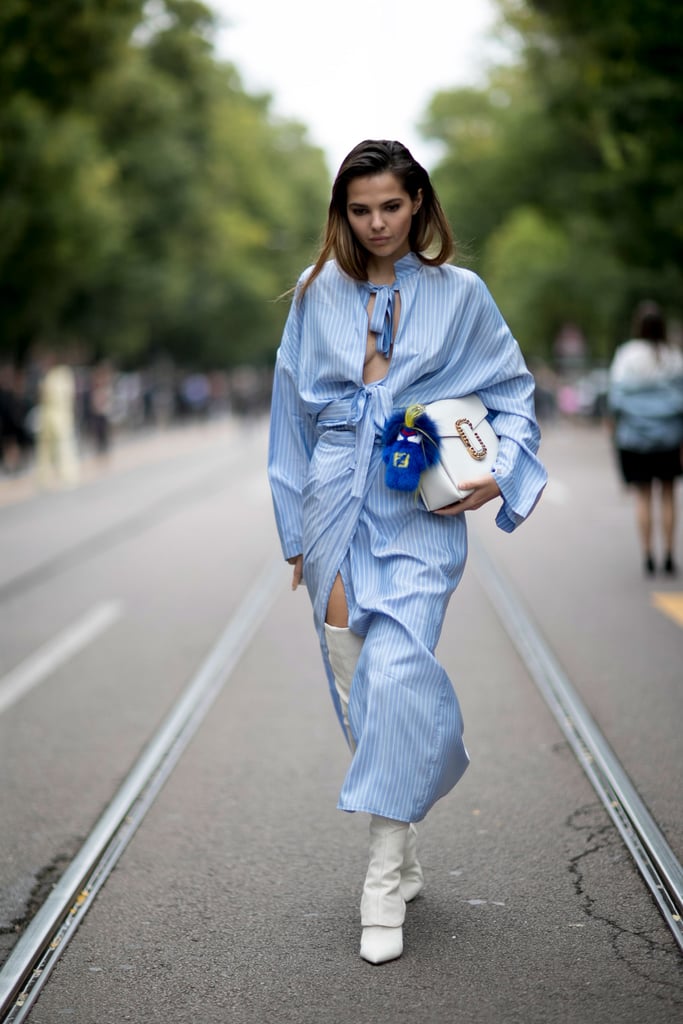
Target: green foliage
526	267
613	81
546	277
148	205
53	51
59	217
564	175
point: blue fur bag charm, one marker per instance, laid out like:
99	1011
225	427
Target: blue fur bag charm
410	444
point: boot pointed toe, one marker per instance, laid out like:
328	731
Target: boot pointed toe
379	944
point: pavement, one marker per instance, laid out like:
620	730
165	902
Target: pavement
237	899
128	451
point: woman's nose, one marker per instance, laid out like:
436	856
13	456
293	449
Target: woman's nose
376	219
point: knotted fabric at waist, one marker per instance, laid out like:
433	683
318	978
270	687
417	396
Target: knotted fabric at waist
365	413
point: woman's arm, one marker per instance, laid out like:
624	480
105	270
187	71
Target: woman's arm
292	438
506	388
289	452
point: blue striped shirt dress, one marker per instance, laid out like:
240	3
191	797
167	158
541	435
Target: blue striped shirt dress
399	563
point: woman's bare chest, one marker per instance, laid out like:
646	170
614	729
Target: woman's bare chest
376	363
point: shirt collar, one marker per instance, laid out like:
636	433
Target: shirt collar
407	264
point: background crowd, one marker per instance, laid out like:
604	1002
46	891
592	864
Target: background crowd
152	209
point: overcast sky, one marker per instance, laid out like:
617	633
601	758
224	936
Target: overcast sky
356	69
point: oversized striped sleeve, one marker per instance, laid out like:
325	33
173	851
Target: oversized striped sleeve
291	439
507	391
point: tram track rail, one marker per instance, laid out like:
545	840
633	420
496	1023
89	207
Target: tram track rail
656	862
31	962
37	952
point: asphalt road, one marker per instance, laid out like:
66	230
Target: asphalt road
237	899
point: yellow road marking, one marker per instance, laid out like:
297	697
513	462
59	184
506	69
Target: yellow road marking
671	604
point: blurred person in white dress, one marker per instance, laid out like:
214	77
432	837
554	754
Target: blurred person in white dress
56	451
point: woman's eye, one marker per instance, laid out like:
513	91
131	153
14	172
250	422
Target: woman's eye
393	207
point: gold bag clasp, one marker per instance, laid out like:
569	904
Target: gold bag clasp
476	453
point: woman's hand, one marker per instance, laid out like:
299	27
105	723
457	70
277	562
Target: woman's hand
484	488
298	563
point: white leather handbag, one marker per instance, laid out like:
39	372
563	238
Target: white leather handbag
468	449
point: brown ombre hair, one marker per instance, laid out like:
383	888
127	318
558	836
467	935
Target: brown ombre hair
429	227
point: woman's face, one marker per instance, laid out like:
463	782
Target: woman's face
380	213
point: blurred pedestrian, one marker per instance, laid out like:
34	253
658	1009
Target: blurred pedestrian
56	456
646	400
379	322
16	439
101	407
195	394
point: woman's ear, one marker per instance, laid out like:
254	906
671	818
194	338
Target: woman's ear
417	201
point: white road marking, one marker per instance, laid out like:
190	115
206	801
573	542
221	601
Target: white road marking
44	940
36	668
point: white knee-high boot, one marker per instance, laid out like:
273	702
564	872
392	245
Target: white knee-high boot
343	648
412	878
382	907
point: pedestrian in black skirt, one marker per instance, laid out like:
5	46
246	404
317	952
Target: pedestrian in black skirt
646	400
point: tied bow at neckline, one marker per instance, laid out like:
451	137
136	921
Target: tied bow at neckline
382	319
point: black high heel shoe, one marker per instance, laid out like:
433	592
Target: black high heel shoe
670	567
649	565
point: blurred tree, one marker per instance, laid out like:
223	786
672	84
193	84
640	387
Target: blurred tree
219	201
501	151
580	143
59	215
59	218
509	188
545	277
155	207
55	51
609	76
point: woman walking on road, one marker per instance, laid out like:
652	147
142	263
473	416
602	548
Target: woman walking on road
379	322
646	398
